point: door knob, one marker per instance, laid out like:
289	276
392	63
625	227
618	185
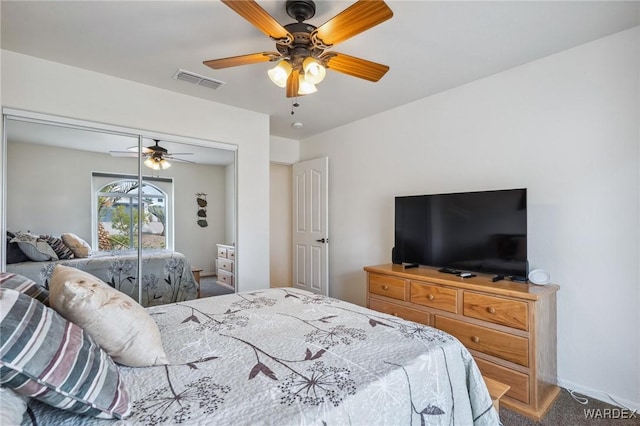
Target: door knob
323	240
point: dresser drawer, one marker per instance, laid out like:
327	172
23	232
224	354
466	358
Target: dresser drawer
502	345
399	311
225	264
222	252
512	313
434	296
387	286
519	382
231	253
225	278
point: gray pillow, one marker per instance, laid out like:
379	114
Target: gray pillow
36	249
14	254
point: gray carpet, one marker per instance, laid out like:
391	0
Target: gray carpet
568	412
208	287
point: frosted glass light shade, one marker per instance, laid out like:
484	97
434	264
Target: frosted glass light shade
314	72
280	73
149	162
305	88
157	164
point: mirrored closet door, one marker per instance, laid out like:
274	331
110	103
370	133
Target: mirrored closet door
144	212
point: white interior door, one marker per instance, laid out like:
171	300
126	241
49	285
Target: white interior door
311	225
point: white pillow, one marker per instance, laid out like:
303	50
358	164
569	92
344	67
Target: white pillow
35	248
121	327
77	245
12	407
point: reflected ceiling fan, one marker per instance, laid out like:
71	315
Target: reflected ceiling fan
155	156
302	57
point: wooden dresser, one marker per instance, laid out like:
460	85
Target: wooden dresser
509	328
225	269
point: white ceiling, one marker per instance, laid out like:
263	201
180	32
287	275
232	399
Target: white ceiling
106	142
430	46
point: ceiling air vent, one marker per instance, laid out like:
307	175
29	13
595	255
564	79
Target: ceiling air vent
200	80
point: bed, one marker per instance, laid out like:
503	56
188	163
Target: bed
166	275
289	357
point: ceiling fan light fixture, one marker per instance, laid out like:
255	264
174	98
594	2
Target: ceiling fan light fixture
280	73
157	163
314	71
306	88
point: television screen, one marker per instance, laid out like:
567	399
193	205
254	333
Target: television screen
472	231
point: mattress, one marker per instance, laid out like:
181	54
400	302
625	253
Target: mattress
289	357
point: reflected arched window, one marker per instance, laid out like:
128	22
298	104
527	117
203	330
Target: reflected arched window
117	207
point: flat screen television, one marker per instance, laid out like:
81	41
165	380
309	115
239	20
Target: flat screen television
484	231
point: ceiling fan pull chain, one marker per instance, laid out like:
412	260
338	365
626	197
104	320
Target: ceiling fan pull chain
294	104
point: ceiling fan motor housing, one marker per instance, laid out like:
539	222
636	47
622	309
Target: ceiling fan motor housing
157	149
301	47
301	10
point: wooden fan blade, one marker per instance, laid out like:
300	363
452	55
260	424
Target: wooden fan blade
134	149
355	67
123	154
255	14
180	160
352	21
234	61
293	83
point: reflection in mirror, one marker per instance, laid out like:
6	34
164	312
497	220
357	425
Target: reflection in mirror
82	184
196	173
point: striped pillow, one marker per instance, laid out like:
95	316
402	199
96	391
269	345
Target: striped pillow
25	286
58	246
46	357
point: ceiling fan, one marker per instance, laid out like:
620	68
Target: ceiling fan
301	47
155	156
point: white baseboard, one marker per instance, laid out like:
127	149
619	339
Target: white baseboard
601	396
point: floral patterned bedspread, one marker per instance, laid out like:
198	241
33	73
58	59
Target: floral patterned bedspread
289	357
166	274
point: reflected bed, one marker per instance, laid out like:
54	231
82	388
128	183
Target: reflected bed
166	275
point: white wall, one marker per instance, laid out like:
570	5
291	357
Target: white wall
194	241
280	213
283	150
38	85
565	127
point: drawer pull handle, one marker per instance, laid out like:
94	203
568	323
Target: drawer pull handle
491	310
430	297
385	287
475	339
